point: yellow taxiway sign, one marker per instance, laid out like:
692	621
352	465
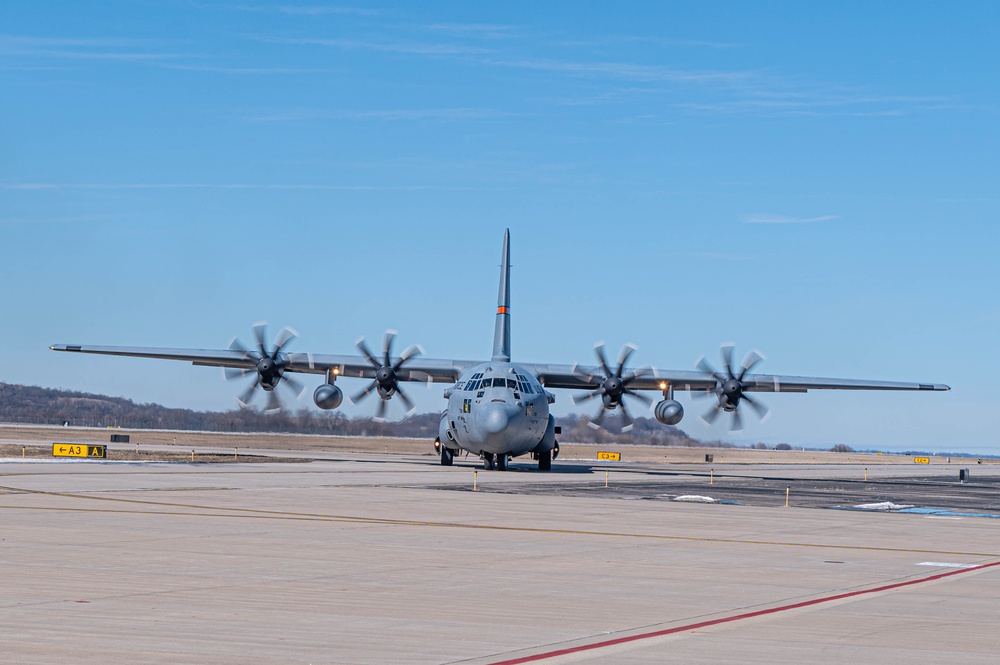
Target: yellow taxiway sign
79	450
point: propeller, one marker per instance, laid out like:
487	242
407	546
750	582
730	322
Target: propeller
386	381
612	386
729	387
269	367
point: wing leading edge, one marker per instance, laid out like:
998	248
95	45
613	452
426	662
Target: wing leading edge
418	369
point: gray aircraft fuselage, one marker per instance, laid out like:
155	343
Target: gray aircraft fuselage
498	408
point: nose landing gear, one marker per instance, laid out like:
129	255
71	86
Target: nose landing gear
498	462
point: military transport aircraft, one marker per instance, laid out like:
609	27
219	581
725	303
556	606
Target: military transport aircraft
499	409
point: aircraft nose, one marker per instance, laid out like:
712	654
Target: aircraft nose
495	418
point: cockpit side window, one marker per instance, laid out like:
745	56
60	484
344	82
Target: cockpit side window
525	385
473	382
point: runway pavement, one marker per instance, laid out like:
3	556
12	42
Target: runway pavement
389	559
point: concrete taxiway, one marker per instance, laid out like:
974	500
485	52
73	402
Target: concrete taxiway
389	559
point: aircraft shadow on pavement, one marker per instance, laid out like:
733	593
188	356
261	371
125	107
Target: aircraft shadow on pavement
526	467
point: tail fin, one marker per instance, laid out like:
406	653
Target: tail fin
501	335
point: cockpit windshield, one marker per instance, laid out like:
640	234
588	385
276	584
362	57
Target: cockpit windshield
520	383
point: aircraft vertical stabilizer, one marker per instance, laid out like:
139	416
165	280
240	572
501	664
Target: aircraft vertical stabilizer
501	335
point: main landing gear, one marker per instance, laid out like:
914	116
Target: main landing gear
545	461
447	454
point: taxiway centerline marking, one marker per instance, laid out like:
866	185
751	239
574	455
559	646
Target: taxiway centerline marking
252	513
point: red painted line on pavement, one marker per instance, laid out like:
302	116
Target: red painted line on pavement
738	617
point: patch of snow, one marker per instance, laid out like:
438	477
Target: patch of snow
884	505
695	498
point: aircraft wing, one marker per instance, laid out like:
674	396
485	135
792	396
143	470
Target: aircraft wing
448	371
650	378
416	369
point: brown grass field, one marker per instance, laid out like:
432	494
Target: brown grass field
37	442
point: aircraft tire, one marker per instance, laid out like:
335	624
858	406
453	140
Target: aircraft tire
545	461
501	462
488	461
447	457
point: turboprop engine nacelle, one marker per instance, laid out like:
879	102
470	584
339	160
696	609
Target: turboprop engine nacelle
328	396
669	411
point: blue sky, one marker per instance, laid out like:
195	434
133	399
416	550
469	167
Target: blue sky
818	182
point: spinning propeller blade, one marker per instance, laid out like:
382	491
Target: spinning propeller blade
268	367
729	388
612	386
387	374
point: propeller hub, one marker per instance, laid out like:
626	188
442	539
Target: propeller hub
613	387
266	367
732	388
386	377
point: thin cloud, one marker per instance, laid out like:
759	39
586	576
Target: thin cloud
625	70
806	103
49	186
222	69
492	57
478	30
7	41
292	9
781	219
609	97
82	49
319	10
617	40
65	219
388	46
460	113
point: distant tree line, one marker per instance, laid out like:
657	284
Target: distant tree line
645	431
48	406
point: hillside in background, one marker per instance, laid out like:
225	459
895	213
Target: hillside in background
48	406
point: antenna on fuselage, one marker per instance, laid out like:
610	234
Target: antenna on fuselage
501	335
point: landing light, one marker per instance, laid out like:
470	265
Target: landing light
663	385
